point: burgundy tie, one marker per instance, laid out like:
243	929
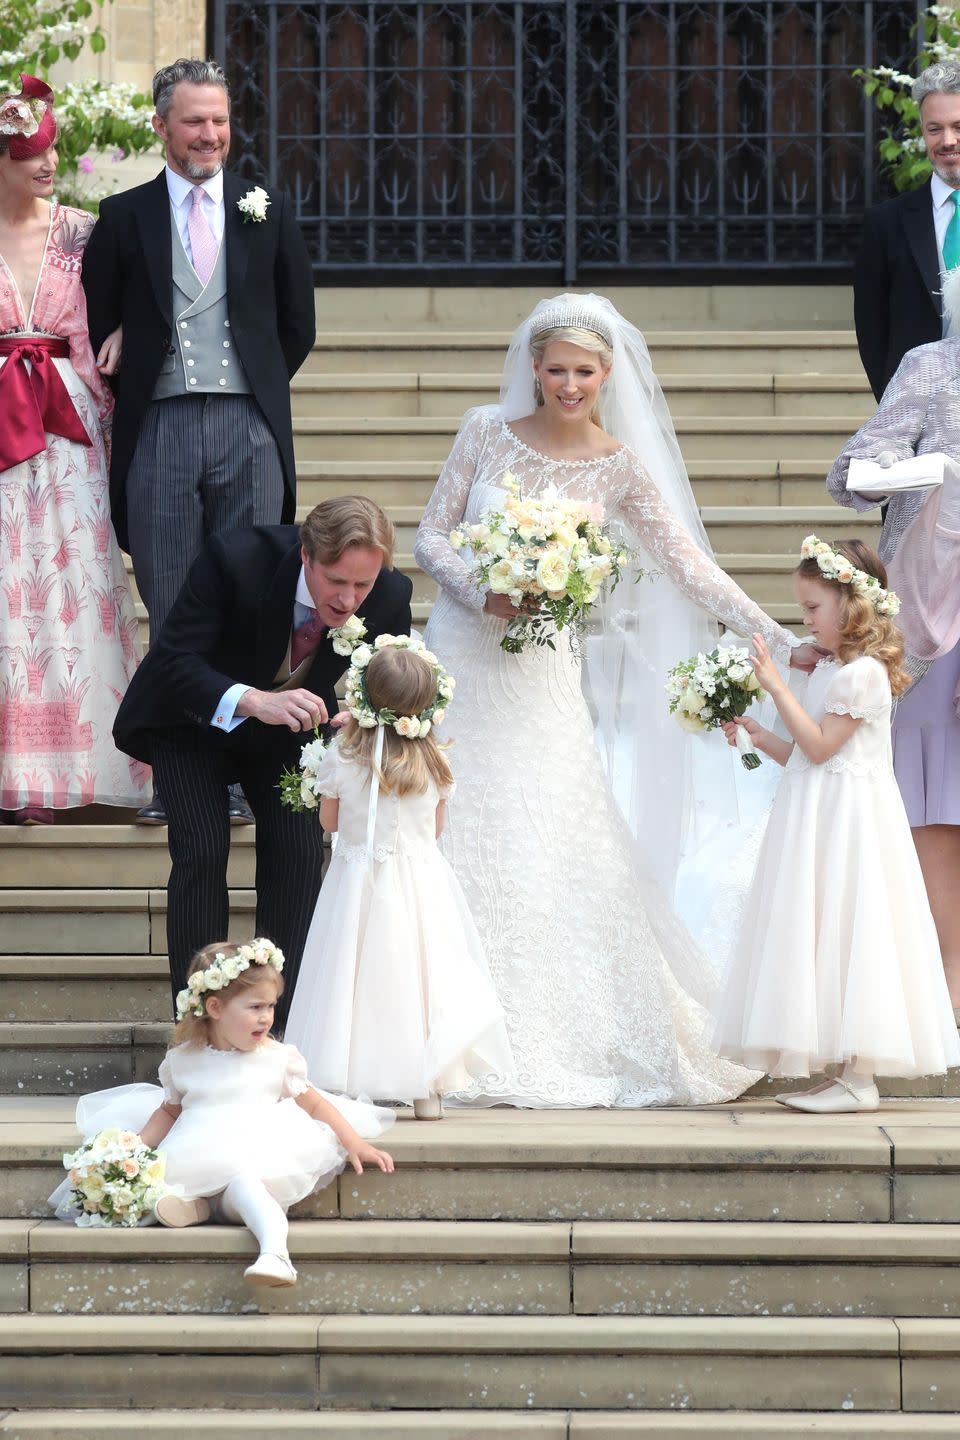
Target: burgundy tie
305	640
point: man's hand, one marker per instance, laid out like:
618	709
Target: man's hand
807	656
108	360
297	709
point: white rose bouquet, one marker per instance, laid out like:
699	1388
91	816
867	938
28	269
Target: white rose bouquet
116	1179
710	689
551	556
298	788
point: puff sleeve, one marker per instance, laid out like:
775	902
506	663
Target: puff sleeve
860	689
172	1094
295	1080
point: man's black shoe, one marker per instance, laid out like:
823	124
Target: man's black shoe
239	811
152	813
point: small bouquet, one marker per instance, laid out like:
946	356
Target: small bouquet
116	1179
551	556
298	788
711	689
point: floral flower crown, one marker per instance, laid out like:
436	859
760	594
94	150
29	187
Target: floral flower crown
409	727
834	566
222	972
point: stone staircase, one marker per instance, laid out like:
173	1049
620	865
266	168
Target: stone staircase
727	1274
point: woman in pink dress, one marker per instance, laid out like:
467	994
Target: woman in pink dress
68	632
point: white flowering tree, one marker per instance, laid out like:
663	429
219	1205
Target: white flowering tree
94	118
902	149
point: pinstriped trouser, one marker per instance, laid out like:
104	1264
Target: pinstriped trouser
191	771
203	464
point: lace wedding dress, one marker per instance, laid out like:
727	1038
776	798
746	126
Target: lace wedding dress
604	991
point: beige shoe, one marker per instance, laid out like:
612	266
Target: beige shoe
176	1213
273	1271
430	1108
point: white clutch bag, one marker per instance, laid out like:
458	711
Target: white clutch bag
874	481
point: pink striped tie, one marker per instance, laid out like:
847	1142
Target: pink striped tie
203	244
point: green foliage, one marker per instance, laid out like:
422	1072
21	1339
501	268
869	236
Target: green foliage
94	118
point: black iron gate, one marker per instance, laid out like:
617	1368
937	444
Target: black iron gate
564	140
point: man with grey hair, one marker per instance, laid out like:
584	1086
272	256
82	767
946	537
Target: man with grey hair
909	243
210	279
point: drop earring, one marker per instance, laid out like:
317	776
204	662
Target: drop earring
537	390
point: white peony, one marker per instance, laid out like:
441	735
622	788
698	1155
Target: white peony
553	571
307	795
501	578
362	657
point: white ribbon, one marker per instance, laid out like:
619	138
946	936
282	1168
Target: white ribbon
374	792
745	743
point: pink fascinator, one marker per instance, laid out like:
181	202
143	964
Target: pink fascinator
28	120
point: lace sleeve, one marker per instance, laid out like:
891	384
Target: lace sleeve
445	509
898	423
693	572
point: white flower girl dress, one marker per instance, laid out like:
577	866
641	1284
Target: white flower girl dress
239	1117
838	958
394	998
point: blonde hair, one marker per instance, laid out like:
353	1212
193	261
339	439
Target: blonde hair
192	1029
401	681
575	335
334	525
863	630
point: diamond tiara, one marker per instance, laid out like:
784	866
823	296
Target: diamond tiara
572	317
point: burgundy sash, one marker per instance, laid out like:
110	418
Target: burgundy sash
34	402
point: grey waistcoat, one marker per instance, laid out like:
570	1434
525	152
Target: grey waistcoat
203	358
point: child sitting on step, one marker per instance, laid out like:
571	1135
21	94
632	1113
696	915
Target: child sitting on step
243	1132
838	959
394	998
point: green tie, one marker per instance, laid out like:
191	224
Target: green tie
951	241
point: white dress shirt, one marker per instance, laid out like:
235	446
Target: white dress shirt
181	190
225	716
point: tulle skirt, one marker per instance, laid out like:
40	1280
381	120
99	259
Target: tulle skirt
210	1145
394	997
838	958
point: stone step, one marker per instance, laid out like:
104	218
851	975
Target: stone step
112	857
747	1161
493	1268
97	922
41	989
481	1362
72	1057
713	437
435	349
454	391
404	486
471	1425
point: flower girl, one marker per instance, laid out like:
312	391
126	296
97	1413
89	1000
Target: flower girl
243	1132
838	959
394	998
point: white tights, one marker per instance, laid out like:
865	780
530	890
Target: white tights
247	1201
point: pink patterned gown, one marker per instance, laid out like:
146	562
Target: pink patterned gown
68	633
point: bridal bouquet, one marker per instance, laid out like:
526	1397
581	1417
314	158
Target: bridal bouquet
116	1179
551	556
710	689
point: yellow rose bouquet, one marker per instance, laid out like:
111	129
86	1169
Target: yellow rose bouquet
549	555
708	690
116	1179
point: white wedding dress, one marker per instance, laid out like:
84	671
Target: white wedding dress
603	989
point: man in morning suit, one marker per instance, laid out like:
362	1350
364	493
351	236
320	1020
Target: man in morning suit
242	667
909	242
216	305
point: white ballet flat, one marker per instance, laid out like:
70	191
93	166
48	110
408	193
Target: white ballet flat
176	1213
429	1108
840	1098
275	1271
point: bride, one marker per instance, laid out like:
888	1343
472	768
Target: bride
567	854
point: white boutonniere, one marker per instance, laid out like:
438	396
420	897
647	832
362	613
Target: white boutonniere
253	205
347	636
